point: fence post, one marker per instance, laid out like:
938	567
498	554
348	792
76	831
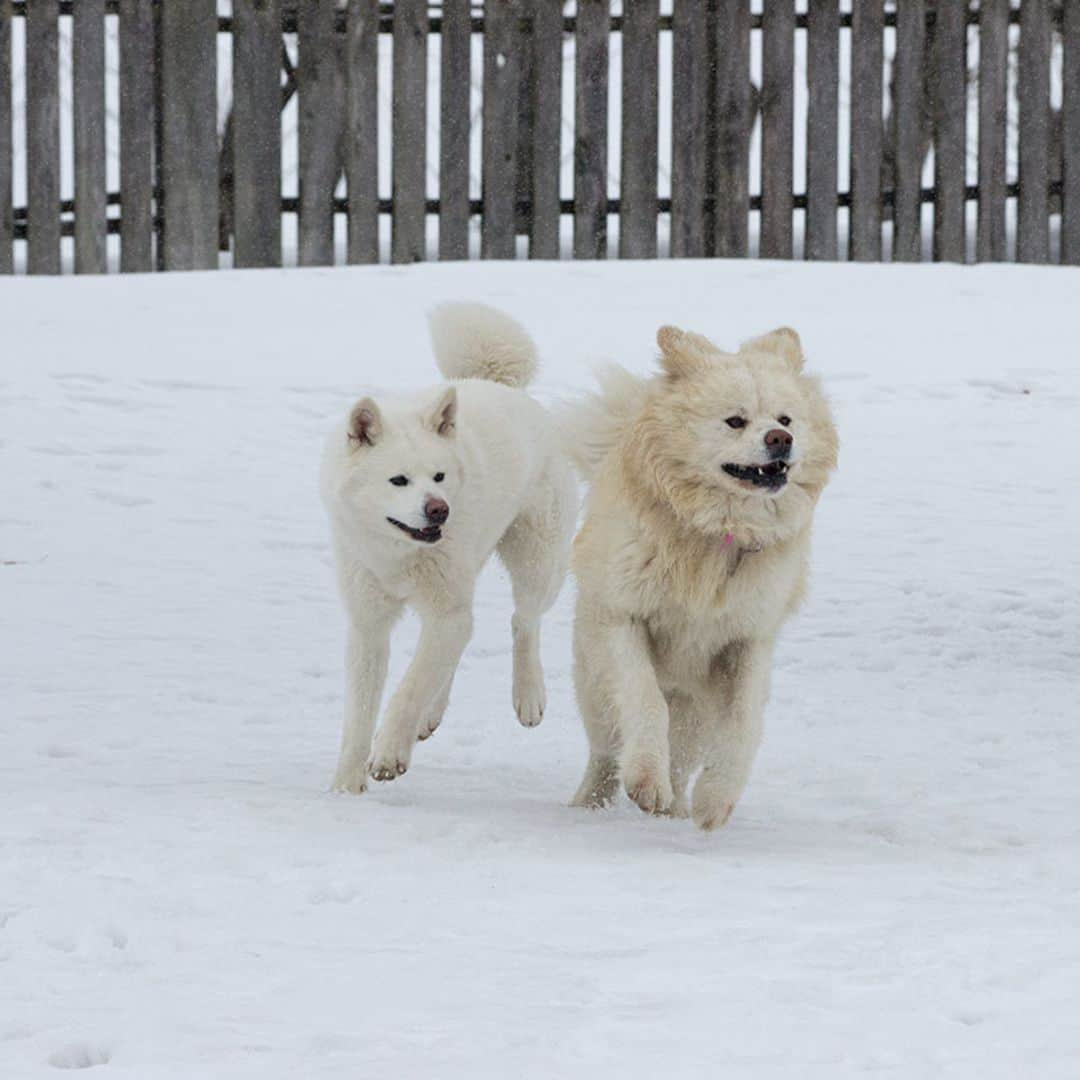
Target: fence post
640	105
88	103
7	228
733	122
409	132
319	91
590	129
361	134
777	128
1033	224
823	76
950	132
137	113
43	138
1070	135
547	39
500	109
256	43
189	161
455	62
993	127
907	130
867	28
689	127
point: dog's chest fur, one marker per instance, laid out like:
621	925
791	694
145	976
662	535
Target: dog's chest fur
697	596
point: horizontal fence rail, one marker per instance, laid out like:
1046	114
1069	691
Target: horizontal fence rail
191	138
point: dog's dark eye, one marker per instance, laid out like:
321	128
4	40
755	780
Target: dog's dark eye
785	421
439	477
735	422
399	481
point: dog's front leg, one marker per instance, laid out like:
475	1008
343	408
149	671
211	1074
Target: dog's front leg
367	654
443	637
730	758
622	648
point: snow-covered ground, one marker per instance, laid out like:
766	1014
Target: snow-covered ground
899	892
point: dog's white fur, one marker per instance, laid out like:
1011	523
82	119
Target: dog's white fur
509	487
685	573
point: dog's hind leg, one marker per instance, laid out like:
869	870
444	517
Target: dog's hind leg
534	550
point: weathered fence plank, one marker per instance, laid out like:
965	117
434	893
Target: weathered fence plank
320	92
547	36
189	163
1070	136
590	130
256	42
136	136
639	151
823	77
7	229
43	138
500	109
523	151
867	30
454	123
993	121
733	122
361	134
950	128
88	106
690	93
777	128
1033	211
907	130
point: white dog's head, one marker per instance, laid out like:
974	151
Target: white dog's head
736	438
392	471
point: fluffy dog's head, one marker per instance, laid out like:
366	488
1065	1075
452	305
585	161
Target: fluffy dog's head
391	472
739	443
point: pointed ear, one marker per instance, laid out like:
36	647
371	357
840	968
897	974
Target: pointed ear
365	422
782	342
683	354
442	417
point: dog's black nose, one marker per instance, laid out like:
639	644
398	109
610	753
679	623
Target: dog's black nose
436	511
778	443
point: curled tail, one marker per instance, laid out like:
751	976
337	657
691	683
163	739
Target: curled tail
592	427
474	341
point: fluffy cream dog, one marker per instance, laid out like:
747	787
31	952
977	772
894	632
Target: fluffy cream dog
693	553
420	489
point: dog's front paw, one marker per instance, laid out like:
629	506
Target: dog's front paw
350	779
712	804
389	757
648	785
530	700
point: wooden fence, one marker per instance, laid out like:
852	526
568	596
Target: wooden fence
192	187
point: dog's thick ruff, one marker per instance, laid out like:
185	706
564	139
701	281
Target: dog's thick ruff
694	551
420	490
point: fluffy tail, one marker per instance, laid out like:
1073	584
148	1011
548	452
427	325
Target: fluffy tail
593	427
474	341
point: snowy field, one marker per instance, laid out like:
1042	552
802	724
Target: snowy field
898	895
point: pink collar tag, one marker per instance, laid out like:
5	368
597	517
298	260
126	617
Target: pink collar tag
729	539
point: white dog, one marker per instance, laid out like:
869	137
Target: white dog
694	551
421	489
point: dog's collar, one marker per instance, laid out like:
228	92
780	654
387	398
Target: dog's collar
741	553
729	539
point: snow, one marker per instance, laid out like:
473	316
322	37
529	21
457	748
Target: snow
897	894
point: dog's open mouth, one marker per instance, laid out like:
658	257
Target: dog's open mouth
772	476
429	534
